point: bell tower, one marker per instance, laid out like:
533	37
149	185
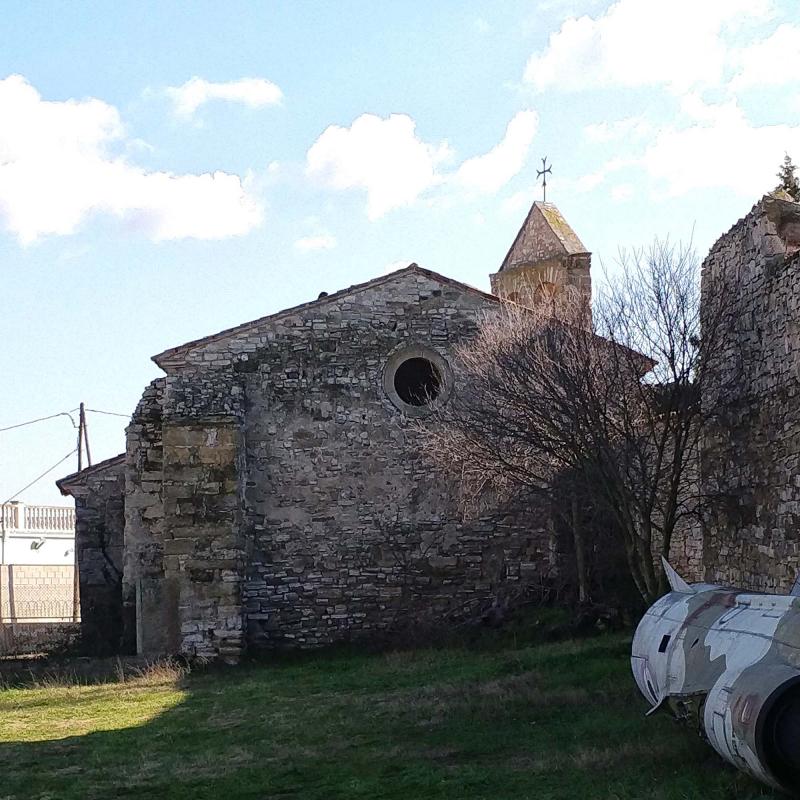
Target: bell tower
546	258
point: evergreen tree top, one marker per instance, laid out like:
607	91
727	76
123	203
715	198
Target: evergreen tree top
788	178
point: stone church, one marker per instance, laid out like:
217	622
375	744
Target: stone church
272	492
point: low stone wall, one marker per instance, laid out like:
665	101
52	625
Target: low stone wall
26	638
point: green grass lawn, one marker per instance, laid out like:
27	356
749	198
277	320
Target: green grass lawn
541	721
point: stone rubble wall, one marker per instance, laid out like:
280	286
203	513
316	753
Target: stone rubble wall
31	638
352	533
149	601
99	530
203	554
342	531
99	493
522	283
751	455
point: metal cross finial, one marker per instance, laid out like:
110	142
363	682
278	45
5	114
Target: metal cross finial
543	173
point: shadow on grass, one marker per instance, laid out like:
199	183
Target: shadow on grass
559	721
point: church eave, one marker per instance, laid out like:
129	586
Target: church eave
69	483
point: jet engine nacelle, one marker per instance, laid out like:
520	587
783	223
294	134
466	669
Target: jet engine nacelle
752	720
728	662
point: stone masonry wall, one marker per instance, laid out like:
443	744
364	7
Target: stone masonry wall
203	552
353	535
99	532
99	526
751	458
150	601
344	532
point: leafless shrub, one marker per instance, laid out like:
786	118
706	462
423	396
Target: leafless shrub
600	403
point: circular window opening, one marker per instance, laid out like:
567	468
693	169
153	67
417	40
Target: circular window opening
417	381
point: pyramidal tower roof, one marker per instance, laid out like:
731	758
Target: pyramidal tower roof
545	234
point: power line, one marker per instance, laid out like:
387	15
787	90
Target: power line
63	414
46	472
110	413
42	419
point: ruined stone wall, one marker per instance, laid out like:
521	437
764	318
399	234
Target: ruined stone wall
751	455
99	532
295	491
150	607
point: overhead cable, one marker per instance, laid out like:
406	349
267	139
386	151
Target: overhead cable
42	419
110	413
46	472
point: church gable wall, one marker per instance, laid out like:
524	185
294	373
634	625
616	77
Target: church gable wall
276	496
349	532
751	458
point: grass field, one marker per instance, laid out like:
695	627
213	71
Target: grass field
512	721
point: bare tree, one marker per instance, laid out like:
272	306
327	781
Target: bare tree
606	396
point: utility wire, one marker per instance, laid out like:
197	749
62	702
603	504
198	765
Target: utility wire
42	419
46	472
110	413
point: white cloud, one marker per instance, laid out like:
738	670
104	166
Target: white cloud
642	42
771	61
630	128
57	168
720	150
516	202
252	92
489	172
384	157
709	146
387	159
624	191
322	241
586	183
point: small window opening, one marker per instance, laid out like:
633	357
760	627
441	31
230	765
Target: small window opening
417	381
662	648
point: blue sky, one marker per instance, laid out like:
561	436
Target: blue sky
168	170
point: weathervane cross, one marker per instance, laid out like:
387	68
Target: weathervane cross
543	173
